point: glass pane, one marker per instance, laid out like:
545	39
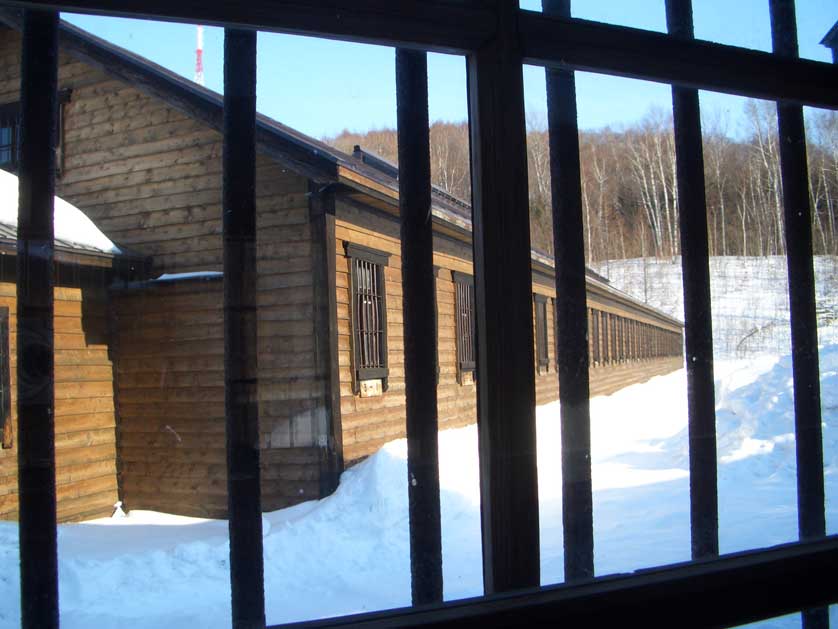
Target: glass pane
644	14
719	21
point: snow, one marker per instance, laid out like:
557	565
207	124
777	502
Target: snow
176	277
349	552
749	298
71	224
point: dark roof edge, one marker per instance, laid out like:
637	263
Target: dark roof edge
830	40
299	152
198	102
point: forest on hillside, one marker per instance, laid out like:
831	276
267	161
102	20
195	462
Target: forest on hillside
629	182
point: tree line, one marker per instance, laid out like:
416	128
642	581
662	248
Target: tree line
629	190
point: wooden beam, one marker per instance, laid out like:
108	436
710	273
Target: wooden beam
463	27
695	267
241	400
639	54
35	306
811	516
321	207
503	286
571	316
420	346
723	592
453	26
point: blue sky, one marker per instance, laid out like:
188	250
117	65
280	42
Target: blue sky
322	87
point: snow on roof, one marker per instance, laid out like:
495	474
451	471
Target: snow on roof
72	227
176	277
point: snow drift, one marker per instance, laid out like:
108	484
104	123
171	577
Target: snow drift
349	552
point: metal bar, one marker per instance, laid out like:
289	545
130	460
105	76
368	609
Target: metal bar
420	350
695	267
503	285
571	319
731	590
811	519
241	403
35	337
463	27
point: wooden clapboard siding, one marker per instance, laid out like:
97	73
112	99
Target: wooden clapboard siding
85	425
146	173
170	364
368	423
171	371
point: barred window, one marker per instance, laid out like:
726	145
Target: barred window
464	314
5	383
368	314
9	136
542	351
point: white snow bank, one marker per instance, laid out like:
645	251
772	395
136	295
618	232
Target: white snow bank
71	224
350	552
749	298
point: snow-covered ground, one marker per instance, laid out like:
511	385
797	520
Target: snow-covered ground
749	298
349	552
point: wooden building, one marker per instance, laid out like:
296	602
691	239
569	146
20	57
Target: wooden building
140	154
85	420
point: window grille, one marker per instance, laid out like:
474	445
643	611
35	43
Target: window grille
542	350
5	382
497	37
369	314
464	312
10	136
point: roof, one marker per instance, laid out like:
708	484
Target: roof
73	229
830	40
298	151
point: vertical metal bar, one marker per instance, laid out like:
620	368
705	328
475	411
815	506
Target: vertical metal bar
420	350
704	510
503	284
811	519
35	338
574	384
571	322
240	335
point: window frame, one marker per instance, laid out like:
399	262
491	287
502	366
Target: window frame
12	111
487	32
542	338
464	310
6	436
356	253
13	108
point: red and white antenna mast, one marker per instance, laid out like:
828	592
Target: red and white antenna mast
199	56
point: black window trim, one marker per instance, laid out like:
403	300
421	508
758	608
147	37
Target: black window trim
464	366
13	108
542	339
6	438
381	259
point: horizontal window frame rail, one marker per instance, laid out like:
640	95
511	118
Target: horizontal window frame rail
463	28
775	581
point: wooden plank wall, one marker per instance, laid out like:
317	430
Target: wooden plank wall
170	374
150	177
85	437
368	423
145	173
